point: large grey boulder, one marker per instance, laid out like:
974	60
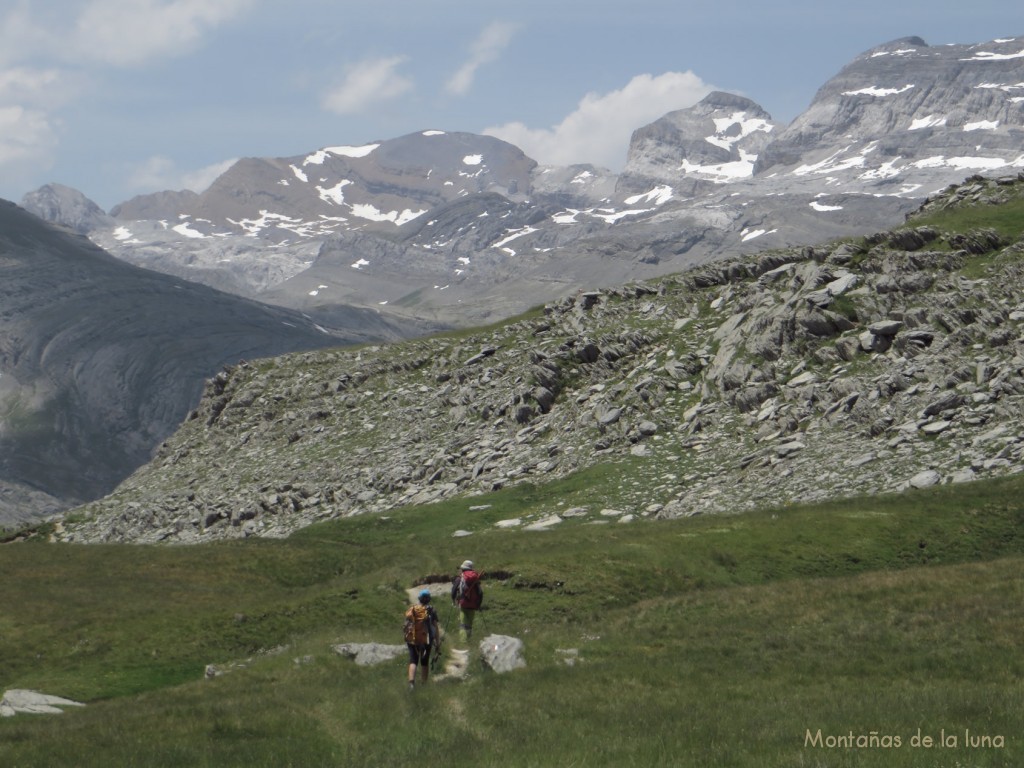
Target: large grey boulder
502	653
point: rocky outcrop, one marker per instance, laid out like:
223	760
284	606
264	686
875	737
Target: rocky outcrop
66	206
879	364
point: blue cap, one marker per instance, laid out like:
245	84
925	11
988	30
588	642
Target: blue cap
425	594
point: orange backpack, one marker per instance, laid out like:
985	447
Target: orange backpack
417	630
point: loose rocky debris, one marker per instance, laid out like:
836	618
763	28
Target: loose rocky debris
886	364
570	657
211	671
19	701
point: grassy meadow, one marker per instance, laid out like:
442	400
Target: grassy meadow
839	634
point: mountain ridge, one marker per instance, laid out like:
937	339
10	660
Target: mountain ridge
901	121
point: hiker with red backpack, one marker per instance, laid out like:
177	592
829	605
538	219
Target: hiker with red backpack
420	636
469	596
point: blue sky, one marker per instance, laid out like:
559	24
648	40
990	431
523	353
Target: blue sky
123	97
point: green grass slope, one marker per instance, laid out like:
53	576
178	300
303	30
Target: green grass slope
841	634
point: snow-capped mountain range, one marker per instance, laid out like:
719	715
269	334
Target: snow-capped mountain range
448	228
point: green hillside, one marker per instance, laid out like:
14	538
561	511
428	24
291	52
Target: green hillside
707	641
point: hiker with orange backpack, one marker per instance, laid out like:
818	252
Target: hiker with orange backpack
469	596
420	636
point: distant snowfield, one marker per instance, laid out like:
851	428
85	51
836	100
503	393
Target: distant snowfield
875	90
752	234
988	56
725	137
931	121
187	231
334	194
658	196
982	125
723	173
825	208
900	52
372	213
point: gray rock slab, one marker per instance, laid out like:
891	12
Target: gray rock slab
501	653
368	654
20	701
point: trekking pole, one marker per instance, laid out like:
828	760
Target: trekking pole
483	623
440	641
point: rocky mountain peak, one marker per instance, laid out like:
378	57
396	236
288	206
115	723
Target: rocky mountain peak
379	186
66	206
904	109
715	141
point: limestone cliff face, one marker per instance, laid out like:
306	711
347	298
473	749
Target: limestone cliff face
904	112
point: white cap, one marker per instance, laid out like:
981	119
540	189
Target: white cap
467	565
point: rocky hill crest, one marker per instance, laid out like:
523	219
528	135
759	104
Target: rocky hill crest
860	366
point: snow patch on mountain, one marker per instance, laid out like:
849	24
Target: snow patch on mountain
659	196
736	127
334	195
989	56
874	90
931	121
185	229
723	173
372	213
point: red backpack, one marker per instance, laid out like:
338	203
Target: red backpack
470	593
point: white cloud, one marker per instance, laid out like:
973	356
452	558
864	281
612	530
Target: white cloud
130	32
29	131
492	41
74	37
598	131
366	84
26	85
27	137
160	173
